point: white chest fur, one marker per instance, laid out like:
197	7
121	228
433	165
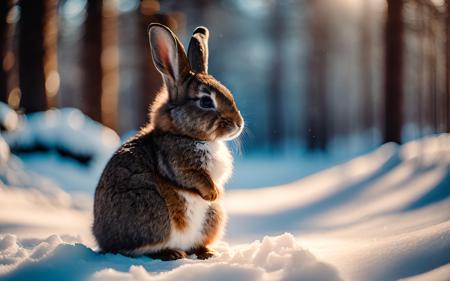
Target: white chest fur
196	210
218	161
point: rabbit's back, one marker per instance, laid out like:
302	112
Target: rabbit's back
129	210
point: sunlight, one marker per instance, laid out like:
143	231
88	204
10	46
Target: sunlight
52	83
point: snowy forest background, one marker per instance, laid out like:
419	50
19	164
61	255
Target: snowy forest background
306	73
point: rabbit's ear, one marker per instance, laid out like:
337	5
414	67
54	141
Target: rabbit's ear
168	53
198	50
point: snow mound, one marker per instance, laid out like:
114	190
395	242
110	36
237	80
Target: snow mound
13	173
4	151
14	177
273	258
13	253
64	145
439	274
65	128
8	118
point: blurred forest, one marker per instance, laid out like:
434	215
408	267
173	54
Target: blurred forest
303	72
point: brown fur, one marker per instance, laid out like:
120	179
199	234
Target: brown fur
212	224
176	204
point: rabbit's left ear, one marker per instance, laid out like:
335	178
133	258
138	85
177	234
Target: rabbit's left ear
168	53
198	50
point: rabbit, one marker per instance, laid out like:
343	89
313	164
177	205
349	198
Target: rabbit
160	195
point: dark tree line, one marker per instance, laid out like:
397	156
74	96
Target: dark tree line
36	57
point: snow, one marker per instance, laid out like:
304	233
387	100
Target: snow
384	215
273	258
439	274
8	117
68	131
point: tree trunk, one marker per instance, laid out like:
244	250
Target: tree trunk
275	95
447	65
109	66
432	79
149	79
316	85
5	5
421	71
50	48
91	82
393	88
31	55
200	11
366	67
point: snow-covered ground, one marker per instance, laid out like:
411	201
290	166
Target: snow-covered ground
384	215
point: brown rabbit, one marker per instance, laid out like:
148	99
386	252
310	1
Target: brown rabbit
160	194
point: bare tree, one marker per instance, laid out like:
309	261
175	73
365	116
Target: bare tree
432	70
50	56
31	53
91	82
200	10
420	70
109	65
149	79
366	64
4	9
393	79
275	95
447	64
317	76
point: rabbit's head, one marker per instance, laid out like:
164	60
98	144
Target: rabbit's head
192	103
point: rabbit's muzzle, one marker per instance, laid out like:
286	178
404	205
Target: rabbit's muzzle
229	129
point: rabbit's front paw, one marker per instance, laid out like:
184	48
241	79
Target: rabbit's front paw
210	194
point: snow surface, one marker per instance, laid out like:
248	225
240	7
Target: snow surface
381	216
64	258
439	274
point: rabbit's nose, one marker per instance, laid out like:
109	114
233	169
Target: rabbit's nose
239	126
240	122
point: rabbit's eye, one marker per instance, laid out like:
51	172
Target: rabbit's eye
206	102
